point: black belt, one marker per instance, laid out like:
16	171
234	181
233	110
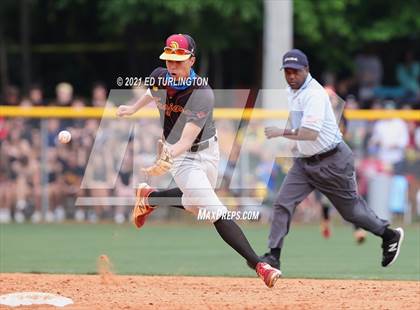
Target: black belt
202	146
321	156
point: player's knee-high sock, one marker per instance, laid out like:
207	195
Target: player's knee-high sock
232	234
175	195
325	212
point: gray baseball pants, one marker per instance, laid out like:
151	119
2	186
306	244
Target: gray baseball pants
334	176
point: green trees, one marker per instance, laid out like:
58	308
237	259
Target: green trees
338	28
228	32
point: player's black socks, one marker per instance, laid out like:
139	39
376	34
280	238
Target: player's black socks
173	197
232	234
388	234
325	212
276	253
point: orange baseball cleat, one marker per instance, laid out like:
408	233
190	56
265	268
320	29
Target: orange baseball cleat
141	209
267	273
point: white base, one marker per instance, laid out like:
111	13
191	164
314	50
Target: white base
34	298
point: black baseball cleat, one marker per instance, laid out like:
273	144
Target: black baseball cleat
391	248
269	259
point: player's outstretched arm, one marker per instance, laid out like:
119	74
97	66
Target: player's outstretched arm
127	110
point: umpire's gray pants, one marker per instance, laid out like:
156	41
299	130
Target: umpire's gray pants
334	176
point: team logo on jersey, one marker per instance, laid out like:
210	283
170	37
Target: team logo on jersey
169	108
174	44
176	108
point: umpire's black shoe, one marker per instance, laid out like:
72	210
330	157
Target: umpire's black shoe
269	259
391	248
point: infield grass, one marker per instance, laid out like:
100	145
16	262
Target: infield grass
177	249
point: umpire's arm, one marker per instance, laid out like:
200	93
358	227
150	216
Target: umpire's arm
301	133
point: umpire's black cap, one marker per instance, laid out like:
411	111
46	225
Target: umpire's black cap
295	59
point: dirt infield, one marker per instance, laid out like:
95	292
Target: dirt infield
174	292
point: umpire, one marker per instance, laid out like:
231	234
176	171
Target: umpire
323	162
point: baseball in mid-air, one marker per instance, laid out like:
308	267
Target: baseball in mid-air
64	136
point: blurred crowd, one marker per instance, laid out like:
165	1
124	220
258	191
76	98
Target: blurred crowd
367	84
385	149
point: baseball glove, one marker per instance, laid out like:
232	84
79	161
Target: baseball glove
163	162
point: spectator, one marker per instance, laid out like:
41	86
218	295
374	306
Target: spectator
356	129
77	103
4	129
408	74
98	178
7	186
368	168
417	136
346	87
99	95
369	73
53	128
64	94
11	95
36	95
390	136
72	177
16	152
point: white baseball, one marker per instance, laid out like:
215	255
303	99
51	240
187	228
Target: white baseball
64	136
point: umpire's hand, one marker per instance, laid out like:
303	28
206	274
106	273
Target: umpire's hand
273	132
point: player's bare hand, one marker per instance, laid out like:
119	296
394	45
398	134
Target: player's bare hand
125	110
272	132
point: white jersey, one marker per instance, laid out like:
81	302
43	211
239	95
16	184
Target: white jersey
310	107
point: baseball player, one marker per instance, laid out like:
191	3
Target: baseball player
323	162
188	149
